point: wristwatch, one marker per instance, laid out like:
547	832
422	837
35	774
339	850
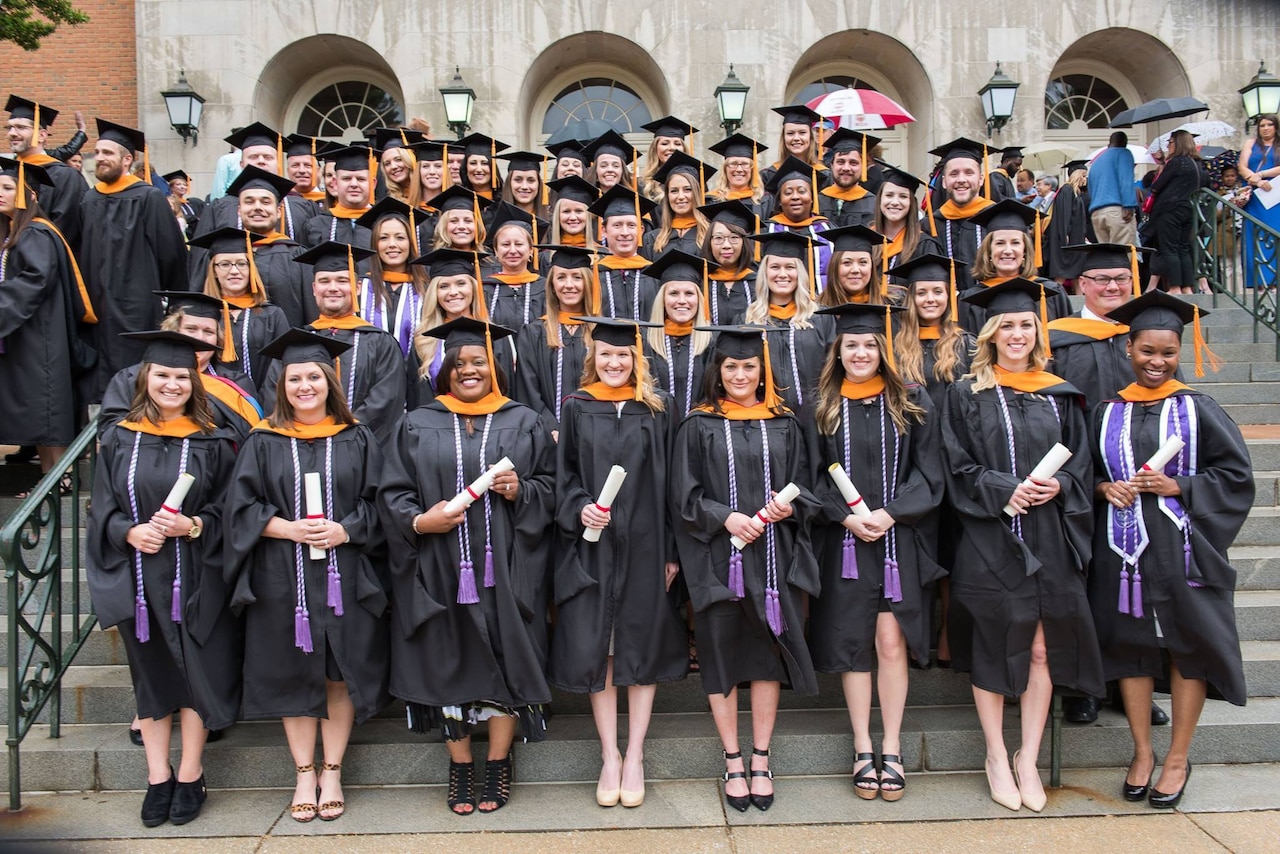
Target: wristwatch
196	529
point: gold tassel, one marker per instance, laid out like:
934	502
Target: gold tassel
546	191
488	351
281	168
638	372
771	399
955	294
813	192
493	165
1044	320
928	209
373	171
813	280
1039	252
755	172
986	174
595	289
477	295
255	278
1133	270
864	158
533	251
1202	347
410	158
146	165
20	202
228	337
355	283
445	178
888	337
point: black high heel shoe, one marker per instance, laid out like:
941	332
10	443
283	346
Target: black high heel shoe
738	802
761	802
1138	793
1162	801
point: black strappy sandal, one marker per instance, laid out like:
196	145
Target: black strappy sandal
738	802
866	784
889	777
462	787
761	802
497	783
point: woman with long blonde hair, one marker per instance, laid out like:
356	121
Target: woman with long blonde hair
873	613
572	223
676	344
397	162
460	224
1020	621
1008	250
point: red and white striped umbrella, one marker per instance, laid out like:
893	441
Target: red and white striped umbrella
861	109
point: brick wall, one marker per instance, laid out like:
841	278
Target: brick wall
91	68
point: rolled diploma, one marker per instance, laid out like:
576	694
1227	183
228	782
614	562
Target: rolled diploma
785	495
315	506
468	496
1170	449
1048	466
181	486
608	492
852	497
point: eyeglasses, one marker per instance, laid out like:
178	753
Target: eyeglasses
1122	279
224	266
725	239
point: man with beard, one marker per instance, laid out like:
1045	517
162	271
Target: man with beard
846	201
950	232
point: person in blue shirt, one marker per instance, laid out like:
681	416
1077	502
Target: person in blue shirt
1113	203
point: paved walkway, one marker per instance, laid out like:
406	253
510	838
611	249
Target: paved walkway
1232	808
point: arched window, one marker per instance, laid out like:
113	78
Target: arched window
599	99
1080	101
345	110
830	83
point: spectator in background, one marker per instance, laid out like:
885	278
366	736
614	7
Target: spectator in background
1225	237
72	149
1025	184
1260	167
1046	187
1182	175
226	171
1068	226
1113	204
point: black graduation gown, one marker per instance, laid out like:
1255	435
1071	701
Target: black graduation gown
515	307
797	356
929	356
861	211
627	294
686	242
280	680
288	283
1002	586
972	317
194	663
1068	226
132	246
728	301
325	226
1002	186
264	324
956	238
1197	624
684	381
238	419
612	594
36	324
376	391
546	375
842	621
191	210
420	390
1099	368
735	643
444	653
62	202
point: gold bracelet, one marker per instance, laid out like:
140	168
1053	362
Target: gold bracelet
414	524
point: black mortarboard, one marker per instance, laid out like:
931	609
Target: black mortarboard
171	349
1011	151
478	143
899	177
670	126
253	178
1156	310
459	199
844	139
428	150
194	302
675	265
299	145
388	138
738	145
1102	256
131	139
300	347
1008	297
621	201
783	244
929	267
22	108
791	169
223	241
620	332
853	238
570	257
352	158
255	134
523	161
331	257
1005	215
447	261
33	174
1073	165
173	176
960	147
737	342
568	148
507	213
575	188
389	207
698	171
797	114
467	332
860	318
732	212
610	142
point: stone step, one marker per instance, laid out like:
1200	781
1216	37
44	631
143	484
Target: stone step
678	747
1256	393
1261	528
1264	453
1266	488
1253	413
1262	667
1261	352
1258	615
1257	567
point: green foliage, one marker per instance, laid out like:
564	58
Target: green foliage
20	26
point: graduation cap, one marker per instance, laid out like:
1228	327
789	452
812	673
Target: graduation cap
569	257
691	166
353	158
26	174
1102	256
747	341
738	145
524	161
610	142
1157	310
128	138
175	175
1073	165
795	169
301	346
171	349
253	178
198	304
460	199
333	257
676	265
622	201
844	140
797	114
568	148
575	188
428	150
853	238
670	126
506	213
784	244
385	139
389	206
299	145
732	212
1011	297
22	108
1010	151
865	318
899	177
478	143
254	135
1011	215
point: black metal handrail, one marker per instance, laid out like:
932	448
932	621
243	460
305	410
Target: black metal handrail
37	564
1220	231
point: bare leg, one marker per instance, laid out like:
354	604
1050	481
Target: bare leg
991	715
460	753
155	741
502	732
857	697
49	456
1136	692
724	711
1035	703
301	734
1188	702
764	714
335	732
891	653
639	710
604	710
194	734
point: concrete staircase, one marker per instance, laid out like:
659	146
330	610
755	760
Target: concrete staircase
941	732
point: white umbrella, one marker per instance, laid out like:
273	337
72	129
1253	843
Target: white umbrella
1048	156
1202	131
1140	155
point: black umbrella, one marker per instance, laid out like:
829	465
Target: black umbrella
1159	109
